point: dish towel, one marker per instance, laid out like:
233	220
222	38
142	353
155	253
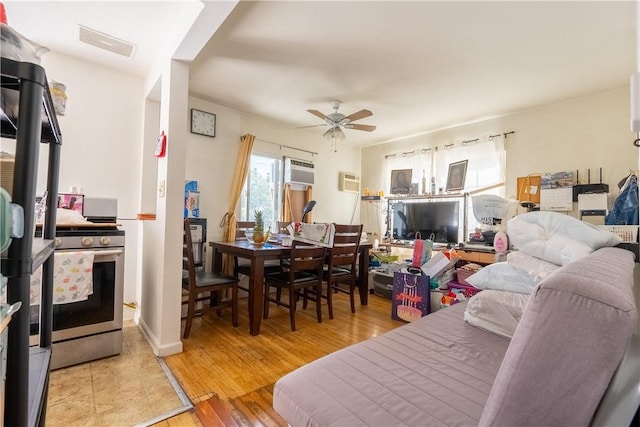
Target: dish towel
72	278
317	234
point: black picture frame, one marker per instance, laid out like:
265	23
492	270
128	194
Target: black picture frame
203	123
457	175
401	181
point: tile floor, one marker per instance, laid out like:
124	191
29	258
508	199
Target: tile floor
122	390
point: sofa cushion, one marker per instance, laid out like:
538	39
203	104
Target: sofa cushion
568	344
437	370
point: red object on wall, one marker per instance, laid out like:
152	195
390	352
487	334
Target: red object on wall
3	14
161	145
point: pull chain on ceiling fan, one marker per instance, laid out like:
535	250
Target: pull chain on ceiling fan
336	121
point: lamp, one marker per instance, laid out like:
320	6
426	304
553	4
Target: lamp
307	208
334	133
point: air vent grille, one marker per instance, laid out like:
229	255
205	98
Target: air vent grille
105	41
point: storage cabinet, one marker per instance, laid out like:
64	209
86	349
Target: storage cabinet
476	256
28	117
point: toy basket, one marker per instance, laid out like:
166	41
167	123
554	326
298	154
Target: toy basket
628	233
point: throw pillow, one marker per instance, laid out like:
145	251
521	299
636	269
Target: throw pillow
496	311
502	277
557	238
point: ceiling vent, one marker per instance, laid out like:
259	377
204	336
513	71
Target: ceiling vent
105	41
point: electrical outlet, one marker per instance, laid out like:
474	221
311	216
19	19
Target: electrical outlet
161	189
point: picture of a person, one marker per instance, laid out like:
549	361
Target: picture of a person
457	172
400	182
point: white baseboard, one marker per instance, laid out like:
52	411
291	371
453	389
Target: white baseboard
159	350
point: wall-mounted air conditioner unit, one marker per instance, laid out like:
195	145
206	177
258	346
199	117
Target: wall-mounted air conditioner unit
298	172
348	182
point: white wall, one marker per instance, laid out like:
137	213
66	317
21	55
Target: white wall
161	281
101	132
578	134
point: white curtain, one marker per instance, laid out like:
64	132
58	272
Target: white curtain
486	167
420	163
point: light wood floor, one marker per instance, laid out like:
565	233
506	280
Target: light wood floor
229	374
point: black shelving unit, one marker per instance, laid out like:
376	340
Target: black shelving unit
28	116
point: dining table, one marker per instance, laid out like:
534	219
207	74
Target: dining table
258	254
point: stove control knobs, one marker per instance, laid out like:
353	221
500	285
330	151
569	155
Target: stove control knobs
57	242
105	240
86	241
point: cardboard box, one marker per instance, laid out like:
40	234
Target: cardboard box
438	264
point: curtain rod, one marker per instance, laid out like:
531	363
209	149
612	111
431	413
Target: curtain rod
463	143
313	153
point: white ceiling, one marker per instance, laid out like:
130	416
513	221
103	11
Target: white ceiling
418	66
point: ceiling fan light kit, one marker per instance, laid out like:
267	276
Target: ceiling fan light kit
337	121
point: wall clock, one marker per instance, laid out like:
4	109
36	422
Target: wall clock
203	123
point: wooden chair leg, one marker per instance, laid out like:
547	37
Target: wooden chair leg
330	299
191	306
318	301
217	301
293	296
265	307
352	292
234	305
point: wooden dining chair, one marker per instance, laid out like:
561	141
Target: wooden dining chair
341	266
240	265
243	266
282	227
241	227
304	272
203	286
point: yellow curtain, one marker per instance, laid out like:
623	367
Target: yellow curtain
229	219
287	215
307	198
294	201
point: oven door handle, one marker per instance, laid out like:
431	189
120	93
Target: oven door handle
106	253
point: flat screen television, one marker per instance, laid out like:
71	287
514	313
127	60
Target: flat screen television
442	218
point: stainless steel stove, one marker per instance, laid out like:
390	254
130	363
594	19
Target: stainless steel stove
92	328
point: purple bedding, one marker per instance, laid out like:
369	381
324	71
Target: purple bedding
435	371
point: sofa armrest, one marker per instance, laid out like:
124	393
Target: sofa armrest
567	345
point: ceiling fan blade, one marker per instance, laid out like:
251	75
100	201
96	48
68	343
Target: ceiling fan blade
318	114
358	115
368	128
311	126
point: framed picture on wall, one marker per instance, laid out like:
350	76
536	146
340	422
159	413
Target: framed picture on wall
457	175
400	181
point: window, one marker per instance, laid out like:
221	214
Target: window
486	168
263	190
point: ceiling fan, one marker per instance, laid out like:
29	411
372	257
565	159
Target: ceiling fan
336	121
